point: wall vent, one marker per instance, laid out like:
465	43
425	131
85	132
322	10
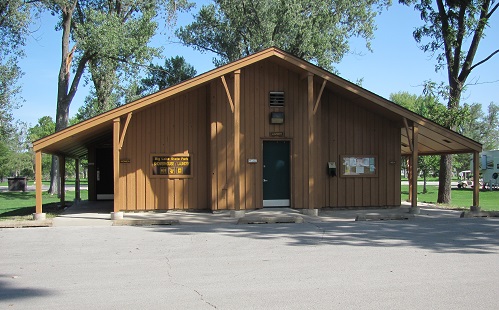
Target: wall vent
276	98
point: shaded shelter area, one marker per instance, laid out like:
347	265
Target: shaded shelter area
218	122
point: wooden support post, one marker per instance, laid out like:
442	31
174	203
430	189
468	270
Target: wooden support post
62	172
116	163
476	179
237	140
414	167
311	142
38	178
77	181
409	175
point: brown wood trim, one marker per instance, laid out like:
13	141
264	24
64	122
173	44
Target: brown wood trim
476	179
38	178
408	135
228	93
414	167
311	141
319	96
122	138
237	139
116	164
268	53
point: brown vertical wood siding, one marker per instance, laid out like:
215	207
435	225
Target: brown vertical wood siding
349	129
201	122
175	125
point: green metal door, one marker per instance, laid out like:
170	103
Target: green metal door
276	174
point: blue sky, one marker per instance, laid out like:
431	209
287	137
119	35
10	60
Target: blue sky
396	63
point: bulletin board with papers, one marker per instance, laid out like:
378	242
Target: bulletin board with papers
358	166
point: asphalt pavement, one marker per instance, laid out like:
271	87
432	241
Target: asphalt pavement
434	261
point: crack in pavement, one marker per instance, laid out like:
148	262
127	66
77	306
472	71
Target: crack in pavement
171	278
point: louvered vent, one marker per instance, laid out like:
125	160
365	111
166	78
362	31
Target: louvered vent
276	98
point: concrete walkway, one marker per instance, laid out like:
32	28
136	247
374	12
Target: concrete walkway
98	214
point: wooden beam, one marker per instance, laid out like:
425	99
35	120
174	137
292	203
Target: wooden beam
319	96
122	138
228	93
38	178
237	139
414	200
116	164
409	175
476	179
408	135
311	142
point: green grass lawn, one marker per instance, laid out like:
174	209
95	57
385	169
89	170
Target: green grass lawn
461	198
21	205
70	182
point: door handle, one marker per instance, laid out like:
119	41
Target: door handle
265	180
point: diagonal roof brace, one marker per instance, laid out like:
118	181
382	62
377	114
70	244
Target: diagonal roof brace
228	93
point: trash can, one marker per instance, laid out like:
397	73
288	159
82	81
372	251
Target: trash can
17	184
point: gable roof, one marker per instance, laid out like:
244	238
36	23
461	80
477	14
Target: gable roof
433	138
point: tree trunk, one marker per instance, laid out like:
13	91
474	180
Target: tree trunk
424	182
65	94
55	181
444	179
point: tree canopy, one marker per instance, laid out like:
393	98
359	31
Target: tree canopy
175	70
104	34
453	31
317	31
15	17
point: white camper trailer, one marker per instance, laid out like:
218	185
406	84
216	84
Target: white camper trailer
489	169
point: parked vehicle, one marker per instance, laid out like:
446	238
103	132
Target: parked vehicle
465	179
489	169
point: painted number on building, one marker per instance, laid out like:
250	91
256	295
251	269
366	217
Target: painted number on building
171	165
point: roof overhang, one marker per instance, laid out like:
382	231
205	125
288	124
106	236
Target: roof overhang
433	138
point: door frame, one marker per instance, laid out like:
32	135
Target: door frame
290	141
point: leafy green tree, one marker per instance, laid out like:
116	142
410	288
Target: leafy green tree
127	28
19	161
96	31
453	31
428	107
175	70
5	154
15	18
44	127
317	31
482	127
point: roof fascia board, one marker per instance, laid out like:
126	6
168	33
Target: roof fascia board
231	67
151	99
403	112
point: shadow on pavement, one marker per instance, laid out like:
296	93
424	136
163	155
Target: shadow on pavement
467	236
12	293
